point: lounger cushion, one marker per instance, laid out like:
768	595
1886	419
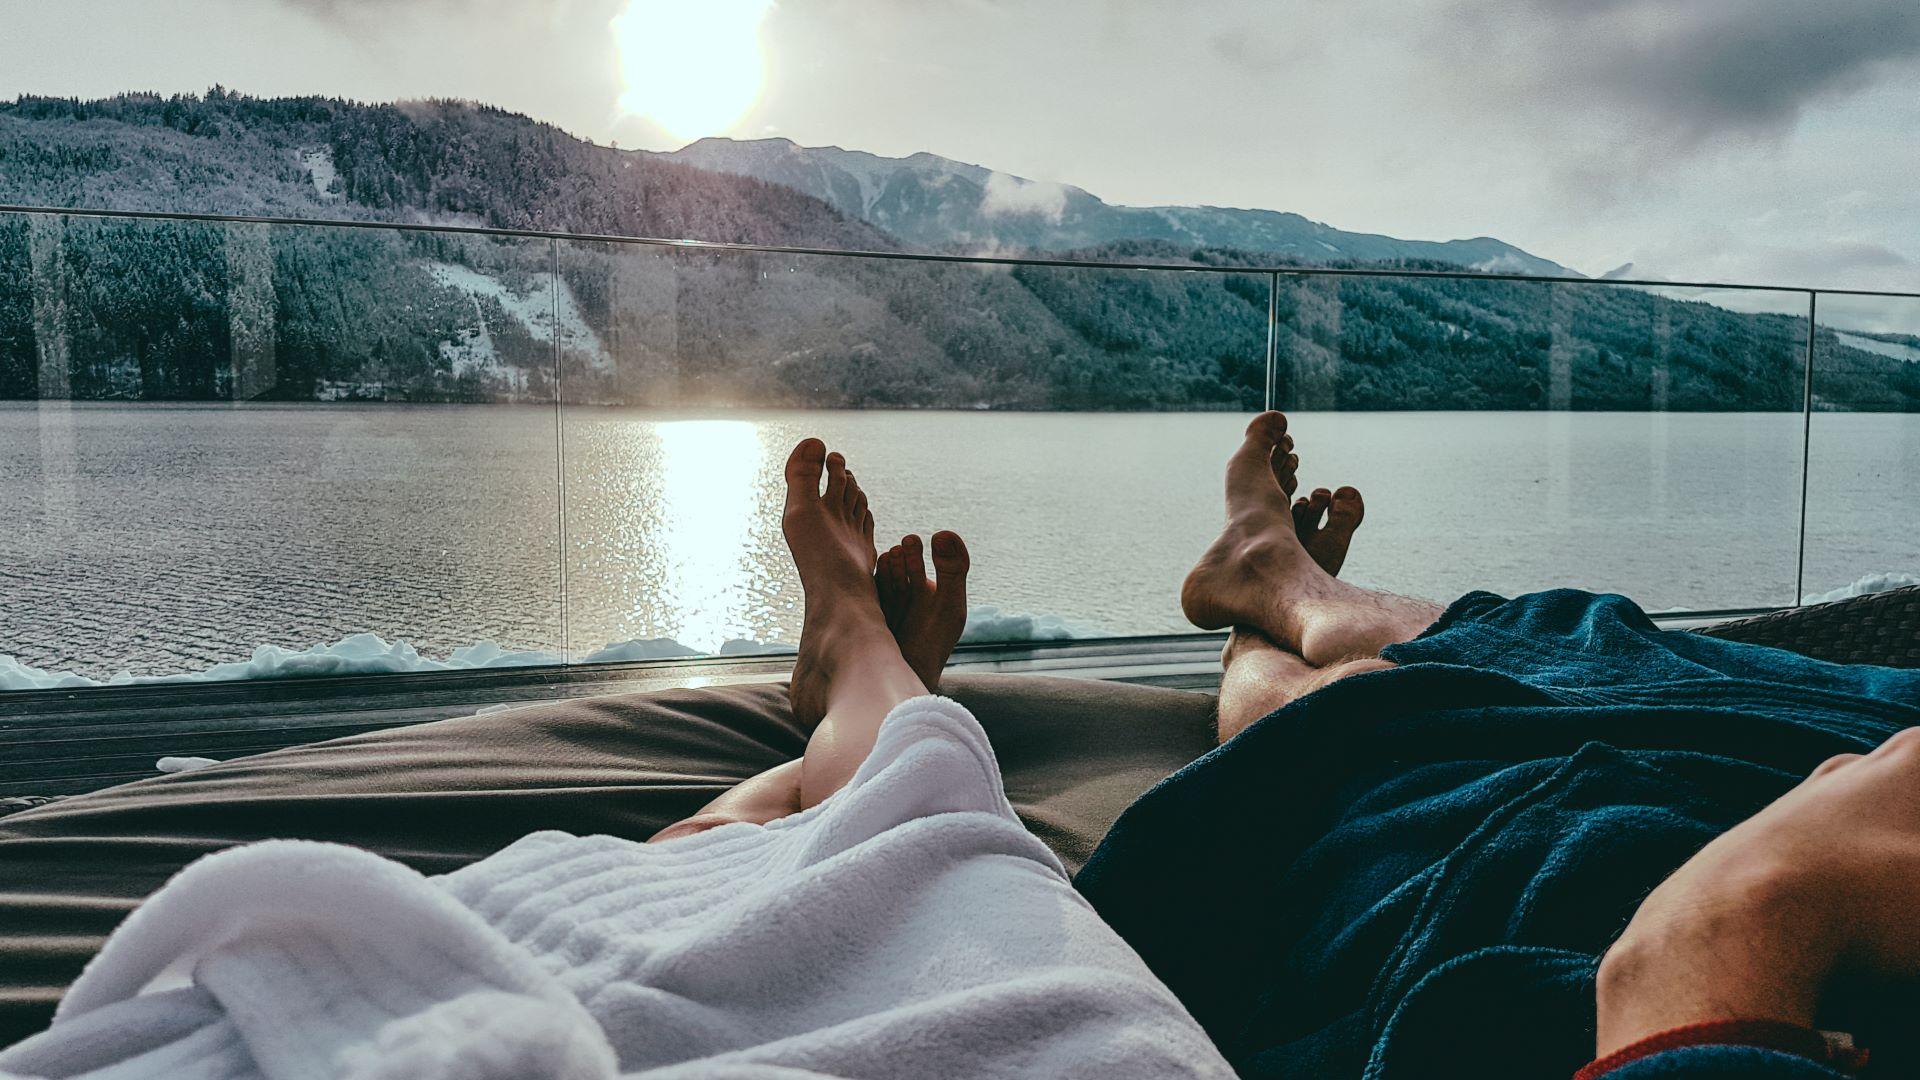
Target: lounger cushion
438	796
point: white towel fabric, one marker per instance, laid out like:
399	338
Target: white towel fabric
907	926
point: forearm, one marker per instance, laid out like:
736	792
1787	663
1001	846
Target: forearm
1747	955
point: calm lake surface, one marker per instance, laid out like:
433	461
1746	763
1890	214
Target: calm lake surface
161	539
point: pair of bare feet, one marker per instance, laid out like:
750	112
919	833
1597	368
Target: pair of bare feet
860	600
1275	545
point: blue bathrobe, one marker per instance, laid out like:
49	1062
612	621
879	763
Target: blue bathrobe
1413	872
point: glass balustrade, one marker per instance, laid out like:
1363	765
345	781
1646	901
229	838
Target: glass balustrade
236	448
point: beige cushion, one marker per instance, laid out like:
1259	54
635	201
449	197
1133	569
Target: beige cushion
438	796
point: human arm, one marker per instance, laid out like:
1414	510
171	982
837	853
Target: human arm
1759	924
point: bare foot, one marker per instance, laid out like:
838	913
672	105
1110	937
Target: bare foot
831	538
926	616
1258	555
1325	520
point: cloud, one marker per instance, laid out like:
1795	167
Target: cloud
1694	71
1789	254
1008	196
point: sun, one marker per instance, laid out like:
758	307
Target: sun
692	66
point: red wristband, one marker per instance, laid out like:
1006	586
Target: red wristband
1834	1049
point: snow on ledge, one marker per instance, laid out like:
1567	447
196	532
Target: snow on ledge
1868	583
371	654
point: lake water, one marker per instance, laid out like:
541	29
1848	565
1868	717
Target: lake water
161	539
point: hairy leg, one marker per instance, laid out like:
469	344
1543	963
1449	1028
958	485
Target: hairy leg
1258	574
1261	677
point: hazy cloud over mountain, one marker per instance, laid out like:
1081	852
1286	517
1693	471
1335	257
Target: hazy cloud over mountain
1747	139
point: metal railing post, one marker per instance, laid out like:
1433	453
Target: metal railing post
1806	451
559	445
1273	340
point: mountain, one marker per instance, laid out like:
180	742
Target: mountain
111	309
441	161
931	202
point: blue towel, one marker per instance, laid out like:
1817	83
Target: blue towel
1413	872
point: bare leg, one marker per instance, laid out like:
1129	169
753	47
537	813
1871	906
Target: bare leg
759	799
856	661
1258	574
1261	677
849	673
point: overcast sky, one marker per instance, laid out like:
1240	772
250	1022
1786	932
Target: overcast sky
1773	141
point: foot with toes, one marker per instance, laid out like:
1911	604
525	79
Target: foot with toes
1274	544
862	611
1324	520
830	534
926	614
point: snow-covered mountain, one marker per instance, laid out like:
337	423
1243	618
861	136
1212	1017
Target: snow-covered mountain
929	201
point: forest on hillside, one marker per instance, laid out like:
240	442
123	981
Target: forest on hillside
125	310
95	309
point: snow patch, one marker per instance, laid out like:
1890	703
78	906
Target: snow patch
371	654
1008	196
990	624
638	649
355	654
474	352
320	169
1864	585
534	310
1884	348
184	764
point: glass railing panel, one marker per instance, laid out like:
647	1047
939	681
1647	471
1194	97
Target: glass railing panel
963	395
235	450
1863	490
1522	435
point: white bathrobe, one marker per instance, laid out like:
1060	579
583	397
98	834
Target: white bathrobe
908	926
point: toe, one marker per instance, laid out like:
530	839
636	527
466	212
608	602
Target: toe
836	480
1346	508
866	525
950	558
804	466
856	499
1252	466
1285	469
1306	516
914	560
898	572
1268	428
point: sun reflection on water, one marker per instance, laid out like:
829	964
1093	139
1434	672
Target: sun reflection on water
708	502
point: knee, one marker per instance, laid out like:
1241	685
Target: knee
698	823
